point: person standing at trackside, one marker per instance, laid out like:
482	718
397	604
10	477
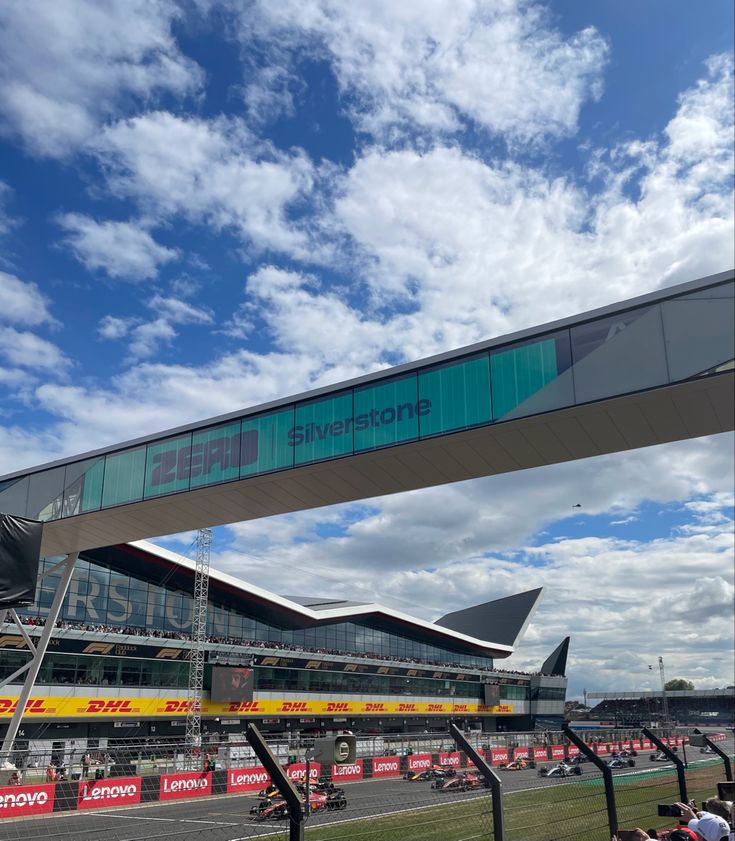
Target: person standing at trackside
86	760
708	826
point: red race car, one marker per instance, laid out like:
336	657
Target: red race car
460	782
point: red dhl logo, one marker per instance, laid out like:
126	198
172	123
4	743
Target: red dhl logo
337	708
462	708
434	708
98	705
374	708
294	707
174	707
407	708
244	707
34	706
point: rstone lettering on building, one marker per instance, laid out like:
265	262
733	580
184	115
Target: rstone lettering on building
309	433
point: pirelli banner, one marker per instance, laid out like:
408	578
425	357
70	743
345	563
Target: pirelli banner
68	708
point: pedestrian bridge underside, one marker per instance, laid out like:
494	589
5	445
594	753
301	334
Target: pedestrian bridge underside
646	371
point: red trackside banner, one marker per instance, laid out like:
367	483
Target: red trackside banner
419	761
602	748
119	791
520	753
540	754
297	771
572	750
17	801
498	755
453	759
343	773
557	751
187	784
386	766
247	779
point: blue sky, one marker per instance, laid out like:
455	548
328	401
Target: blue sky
206	205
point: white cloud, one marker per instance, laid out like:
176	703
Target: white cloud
67	65
112	327
22	302
212	172
27	350
123	250
434	67
147	338
178	311
6	223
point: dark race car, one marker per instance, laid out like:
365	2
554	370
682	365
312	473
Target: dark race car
620	762
460	782
436	772
578	759
560	770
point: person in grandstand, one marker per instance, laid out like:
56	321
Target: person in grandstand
707	825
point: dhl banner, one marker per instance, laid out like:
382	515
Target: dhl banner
56	707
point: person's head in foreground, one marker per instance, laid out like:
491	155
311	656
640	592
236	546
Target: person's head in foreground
708	826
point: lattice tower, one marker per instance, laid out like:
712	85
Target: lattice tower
203	545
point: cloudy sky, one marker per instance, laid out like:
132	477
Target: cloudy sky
206	205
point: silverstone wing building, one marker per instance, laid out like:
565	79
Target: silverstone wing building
117	665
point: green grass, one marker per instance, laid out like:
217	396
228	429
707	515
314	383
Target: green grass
574	811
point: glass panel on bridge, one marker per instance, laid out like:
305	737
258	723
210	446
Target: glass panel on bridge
323	429
124	474
386	413
454	396
266	442
167	466
215	455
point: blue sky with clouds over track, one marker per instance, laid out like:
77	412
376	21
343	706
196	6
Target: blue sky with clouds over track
208	204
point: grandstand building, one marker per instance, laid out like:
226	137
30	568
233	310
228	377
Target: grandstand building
117	663
697	707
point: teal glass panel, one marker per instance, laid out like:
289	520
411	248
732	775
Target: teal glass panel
323	429
45	494
530	378
215	455
386	413
266	443
454	396
124	474
167	466
83	486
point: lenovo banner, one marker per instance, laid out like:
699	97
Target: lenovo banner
636	744
557	751
18	801
540	754
602	748
246	779
343	773
626	744
572	750
520	753
188	784
297	771
419	761
646	744
118	791
498	755
453	759
386	766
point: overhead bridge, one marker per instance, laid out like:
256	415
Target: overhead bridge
645	371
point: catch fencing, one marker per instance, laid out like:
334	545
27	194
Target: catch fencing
146	791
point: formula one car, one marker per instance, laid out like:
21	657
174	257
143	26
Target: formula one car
707	749
660	756
517	765
464	781
620	762
577	760
436	772
276	808
560	770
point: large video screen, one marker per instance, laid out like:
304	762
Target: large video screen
232	683
492	694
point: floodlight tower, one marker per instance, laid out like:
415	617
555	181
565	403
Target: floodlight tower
203	544
665	703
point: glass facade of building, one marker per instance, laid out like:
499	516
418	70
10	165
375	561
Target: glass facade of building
685	336
99	596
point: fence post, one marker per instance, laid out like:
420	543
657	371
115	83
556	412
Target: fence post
491	778
607	777
718	750
666	750
285	786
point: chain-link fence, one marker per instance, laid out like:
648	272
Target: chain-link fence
403	789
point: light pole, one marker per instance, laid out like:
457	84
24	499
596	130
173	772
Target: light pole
665	703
